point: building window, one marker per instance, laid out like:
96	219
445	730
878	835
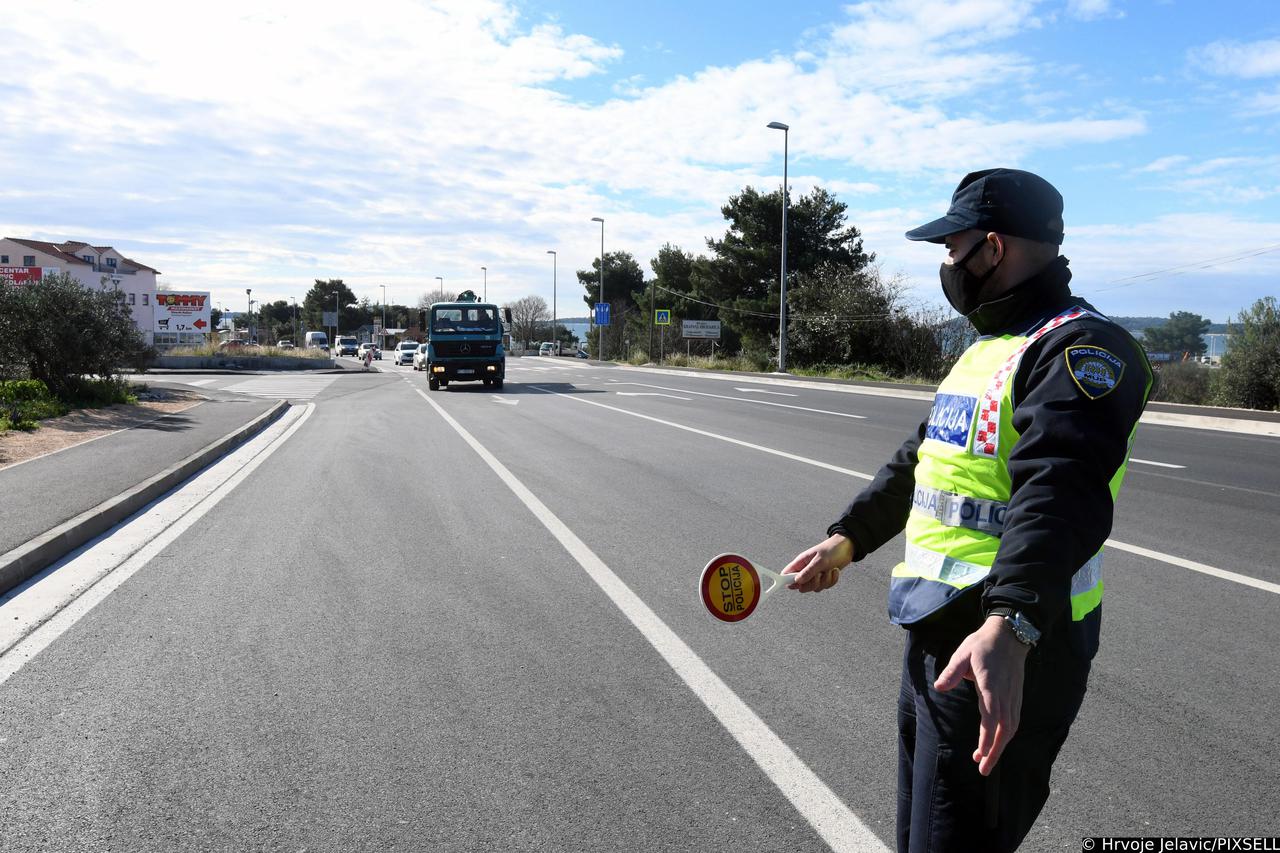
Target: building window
28	260
111	262
130	298
88	258
4	259
146	299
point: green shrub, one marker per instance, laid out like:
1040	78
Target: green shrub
1183	382
23	402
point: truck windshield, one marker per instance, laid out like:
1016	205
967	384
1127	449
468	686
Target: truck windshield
477	319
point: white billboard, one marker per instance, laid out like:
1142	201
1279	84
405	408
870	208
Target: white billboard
182	312
702	329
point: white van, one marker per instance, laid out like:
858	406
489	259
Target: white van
316	340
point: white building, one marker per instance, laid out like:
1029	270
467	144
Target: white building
93	266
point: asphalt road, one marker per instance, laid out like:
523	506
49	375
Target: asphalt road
373	643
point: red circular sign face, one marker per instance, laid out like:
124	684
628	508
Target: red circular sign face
730	587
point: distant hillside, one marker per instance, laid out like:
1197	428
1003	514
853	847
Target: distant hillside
1137	324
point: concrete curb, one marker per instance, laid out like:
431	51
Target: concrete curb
29	559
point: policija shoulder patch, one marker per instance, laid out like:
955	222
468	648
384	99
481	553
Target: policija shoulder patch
1095	371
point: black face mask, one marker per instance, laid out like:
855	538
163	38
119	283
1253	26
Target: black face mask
962	287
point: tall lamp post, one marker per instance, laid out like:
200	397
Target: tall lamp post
248	320
337	316
600	336
383	338
782	305
485	270
296	336
440	279
554	260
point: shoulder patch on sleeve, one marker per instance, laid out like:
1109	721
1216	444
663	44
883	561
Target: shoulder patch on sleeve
1095	371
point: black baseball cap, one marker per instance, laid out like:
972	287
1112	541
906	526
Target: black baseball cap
1007	201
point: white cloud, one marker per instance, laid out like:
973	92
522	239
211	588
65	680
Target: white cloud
1240	59
1164	164
1090	10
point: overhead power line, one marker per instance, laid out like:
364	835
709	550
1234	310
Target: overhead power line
850	318
1180	269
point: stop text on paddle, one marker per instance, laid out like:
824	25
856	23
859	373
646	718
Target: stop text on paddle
731	589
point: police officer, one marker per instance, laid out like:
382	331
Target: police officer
1006	496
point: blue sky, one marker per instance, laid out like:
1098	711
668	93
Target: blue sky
266	145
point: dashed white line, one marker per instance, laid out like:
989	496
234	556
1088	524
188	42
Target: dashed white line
1157	464
746	400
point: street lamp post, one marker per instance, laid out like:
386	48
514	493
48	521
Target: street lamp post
337	317
782	305
248	294
554	261
485	270
296	337
600	336
440	279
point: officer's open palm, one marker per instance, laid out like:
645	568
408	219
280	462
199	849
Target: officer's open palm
995	661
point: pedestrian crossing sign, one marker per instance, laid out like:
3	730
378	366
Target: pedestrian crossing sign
662	317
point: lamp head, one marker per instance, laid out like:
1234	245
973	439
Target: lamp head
777	125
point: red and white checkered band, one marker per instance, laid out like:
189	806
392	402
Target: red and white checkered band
986	435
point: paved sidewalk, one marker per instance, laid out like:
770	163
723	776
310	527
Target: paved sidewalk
39	495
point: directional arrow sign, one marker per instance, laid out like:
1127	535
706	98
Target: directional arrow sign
762	391
199	324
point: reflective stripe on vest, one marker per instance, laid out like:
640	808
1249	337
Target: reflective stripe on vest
959	510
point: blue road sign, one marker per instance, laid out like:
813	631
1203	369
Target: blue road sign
602	313
662	317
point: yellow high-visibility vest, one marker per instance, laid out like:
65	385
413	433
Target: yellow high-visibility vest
962	485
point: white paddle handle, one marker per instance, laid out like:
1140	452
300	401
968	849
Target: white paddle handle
779	581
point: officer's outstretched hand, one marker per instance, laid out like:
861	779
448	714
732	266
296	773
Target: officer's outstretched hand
995	661
818	568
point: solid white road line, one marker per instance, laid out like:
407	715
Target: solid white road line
1145	552
717	436
1266	586
834	821
650	394
1157	464
200	382
45	607
746	399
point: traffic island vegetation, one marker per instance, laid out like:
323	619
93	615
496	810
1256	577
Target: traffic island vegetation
213	351
26	402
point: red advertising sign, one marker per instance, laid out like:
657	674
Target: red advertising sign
182	312
21	275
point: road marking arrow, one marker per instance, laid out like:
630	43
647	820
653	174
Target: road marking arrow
650	394
761	391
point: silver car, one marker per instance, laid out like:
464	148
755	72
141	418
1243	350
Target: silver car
405	351
420	357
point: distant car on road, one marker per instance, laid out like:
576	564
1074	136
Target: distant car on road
405	351
346	345
231	345
420	357
284	344
377	353
547	348
582	354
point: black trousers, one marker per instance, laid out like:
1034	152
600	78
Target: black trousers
944	804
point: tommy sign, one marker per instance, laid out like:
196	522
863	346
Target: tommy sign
182	312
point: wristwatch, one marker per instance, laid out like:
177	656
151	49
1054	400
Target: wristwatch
1023	630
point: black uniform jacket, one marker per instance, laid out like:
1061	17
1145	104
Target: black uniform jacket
1072	440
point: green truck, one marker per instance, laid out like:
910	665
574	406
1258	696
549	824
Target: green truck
464	342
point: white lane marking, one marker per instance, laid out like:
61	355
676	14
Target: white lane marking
762	391
200	382
1196	567
650	394
1155	555
1157	464
748	400
39	611
834	821
717	436
283	387
506	402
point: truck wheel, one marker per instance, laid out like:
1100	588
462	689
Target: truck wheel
497	383
433	383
